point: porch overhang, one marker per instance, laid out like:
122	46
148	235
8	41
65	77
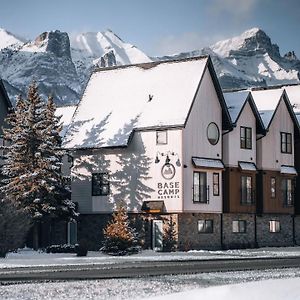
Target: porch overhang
247	166
288	170
208	163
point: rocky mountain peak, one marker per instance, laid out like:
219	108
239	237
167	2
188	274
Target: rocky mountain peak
55	42
291	56
250	43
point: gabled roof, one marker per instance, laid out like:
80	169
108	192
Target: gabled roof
236	102
66	113
293	92
118	100
267	102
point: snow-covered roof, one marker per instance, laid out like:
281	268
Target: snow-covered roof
207	163
120	99
247	166
293	92
235	102
288	170
266	102
66	113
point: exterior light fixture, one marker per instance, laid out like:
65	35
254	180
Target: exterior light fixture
168	159
168	155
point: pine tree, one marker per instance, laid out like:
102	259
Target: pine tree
169	236
33	181
119	237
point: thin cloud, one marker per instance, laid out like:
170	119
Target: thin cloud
188	41
237	8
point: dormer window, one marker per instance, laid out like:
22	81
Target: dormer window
286	142
246	137
161	137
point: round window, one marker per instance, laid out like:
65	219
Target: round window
213	133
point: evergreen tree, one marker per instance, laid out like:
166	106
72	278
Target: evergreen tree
119	237
169	236
14	225
33	180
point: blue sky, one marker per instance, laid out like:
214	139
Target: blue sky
158	27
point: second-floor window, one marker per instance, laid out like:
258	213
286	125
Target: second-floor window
216	184
100	184
246	137
287	191
246	190
161	137
286	142
200	188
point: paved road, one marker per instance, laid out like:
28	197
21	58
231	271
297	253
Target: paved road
148	268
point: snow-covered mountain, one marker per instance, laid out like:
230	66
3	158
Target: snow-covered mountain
60	68
99	49
8	39
249	60
62	65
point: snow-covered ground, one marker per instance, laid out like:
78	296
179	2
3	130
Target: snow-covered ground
28	257
194	286
197	286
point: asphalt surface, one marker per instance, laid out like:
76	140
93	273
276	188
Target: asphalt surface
139	269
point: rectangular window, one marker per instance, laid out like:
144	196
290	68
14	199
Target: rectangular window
286	142
100	184
246	190
274	226
246	137
273	187
200	188
239	226
216	184
205	226
72	233
287	191
162	137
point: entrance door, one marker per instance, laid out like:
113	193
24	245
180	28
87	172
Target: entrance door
157	235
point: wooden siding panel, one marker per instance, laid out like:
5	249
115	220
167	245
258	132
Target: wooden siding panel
206	109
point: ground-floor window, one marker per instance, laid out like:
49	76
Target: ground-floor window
274	226
287	191
246	190
239	226
72	233
100	184
200	188
273	187
205	226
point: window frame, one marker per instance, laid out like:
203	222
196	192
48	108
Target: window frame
218	130
287	194
246	138
246	202
286	146
102	182
239	227
165	142
205	190
274	226
273	185
206	228
216	184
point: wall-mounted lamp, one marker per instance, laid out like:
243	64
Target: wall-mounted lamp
169	156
